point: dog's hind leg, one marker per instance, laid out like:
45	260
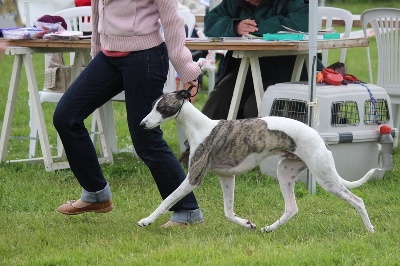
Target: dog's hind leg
337	188
288	170
228	190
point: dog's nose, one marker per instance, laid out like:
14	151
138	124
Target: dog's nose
142	124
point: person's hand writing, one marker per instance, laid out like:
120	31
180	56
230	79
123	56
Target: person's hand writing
245	27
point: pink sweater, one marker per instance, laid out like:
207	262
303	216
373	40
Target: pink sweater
134	25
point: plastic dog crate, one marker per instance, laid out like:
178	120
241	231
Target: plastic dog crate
348	120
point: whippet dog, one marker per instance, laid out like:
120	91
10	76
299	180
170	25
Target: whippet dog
230	147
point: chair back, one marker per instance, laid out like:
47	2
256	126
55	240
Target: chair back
190	20
386	25
77	18
329	13
32	10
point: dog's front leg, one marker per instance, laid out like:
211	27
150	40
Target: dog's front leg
184	189
228	190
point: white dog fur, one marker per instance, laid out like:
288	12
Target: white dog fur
230	147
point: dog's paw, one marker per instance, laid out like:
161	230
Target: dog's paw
251	225
267	229
144	222
371	229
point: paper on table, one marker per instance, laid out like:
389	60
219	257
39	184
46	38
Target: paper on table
64	35
197	39
324	31
248	38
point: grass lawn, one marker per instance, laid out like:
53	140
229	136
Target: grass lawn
327	231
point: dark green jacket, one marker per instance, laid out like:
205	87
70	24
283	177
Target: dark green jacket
220	21
269	15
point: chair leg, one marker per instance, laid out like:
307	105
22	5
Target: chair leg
211	81
396	120
33	135
33	139
103	135
60	148
109	124
94	129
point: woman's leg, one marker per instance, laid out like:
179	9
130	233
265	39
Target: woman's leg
144	75
98	83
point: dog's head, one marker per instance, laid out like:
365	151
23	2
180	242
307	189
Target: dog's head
165	108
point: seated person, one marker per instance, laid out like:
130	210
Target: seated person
234	18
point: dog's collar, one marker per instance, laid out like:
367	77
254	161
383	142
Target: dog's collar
186	95
180	107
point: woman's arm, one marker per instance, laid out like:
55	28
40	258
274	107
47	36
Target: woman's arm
95	41
175	36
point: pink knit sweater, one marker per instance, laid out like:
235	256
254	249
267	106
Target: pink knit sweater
134	25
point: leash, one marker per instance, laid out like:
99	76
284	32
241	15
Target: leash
190	95
348	78
186	93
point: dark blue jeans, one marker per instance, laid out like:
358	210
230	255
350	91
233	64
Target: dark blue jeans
142	75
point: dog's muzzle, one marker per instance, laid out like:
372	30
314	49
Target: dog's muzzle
143	124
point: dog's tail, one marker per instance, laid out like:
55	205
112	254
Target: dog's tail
360	182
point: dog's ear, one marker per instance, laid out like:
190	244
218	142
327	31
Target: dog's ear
183	94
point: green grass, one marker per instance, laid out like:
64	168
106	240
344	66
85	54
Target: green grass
327	231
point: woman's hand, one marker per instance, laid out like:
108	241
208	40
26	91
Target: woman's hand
193	83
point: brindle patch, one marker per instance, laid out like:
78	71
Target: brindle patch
289	155
231	141
169	105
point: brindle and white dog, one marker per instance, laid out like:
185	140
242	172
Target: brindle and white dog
231	147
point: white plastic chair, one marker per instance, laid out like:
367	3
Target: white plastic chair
329	13
31	10
170	86
386	25
190	20
77	19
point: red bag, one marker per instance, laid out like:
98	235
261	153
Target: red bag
331	77
83	2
